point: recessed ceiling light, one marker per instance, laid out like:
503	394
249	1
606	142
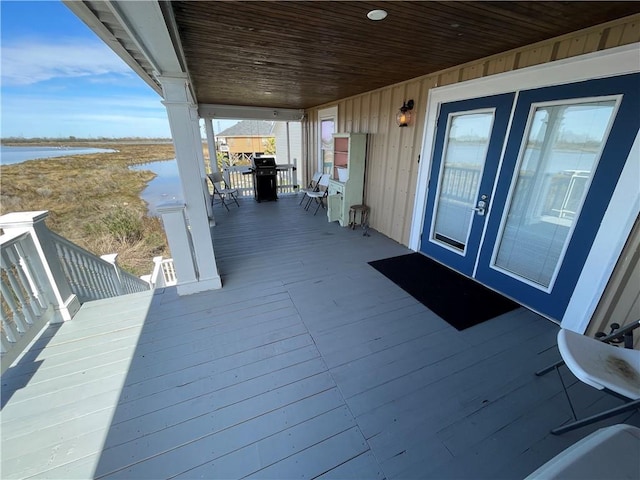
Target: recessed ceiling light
376	15
455	25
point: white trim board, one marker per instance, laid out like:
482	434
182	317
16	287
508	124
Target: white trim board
624	206
323	114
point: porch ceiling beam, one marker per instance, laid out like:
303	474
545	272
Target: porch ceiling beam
145	25
84	13
239	112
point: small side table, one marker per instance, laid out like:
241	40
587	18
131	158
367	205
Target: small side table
353	216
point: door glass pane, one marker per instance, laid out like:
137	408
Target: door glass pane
327	129
465	152
562	149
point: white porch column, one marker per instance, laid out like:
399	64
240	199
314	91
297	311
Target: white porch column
60	295
185	130
211	143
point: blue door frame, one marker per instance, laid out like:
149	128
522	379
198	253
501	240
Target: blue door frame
478	256
464	261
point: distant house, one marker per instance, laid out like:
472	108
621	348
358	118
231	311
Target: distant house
249	137
245	138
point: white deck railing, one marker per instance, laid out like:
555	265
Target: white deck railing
92	277
44	278
26	308
287	180
164	273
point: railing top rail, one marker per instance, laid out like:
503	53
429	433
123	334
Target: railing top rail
79	249
12	237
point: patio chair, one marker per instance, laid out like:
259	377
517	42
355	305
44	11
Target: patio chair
312	187
223	193
602	365
608	453
320	194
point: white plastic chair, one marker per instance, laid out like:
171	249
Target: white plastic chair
320	194
615	370
312	187
609	453
223	193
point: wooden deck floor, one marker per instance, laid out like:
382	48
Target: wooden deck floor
307	364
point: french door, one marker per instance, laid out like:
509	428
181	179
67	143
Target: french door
467	149
519	184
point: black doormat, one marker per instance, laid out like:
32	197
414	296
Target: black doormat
457	299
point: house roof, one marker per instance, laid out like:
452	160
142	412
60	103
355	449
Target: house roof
301	54
249	128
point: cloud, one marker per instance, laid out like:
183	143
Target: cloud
32	61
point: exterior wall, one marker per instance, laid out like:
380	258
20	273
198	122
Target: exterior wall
393	152
620	302
246	144
295	142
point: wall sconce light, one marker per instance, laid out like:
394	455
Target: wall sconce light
403	118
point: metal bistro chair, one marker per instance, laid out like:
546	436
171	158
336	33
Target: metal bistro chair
602	365
320	194
216	179
312	187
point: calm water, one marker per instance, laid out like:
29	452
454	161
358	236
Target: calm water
11	155
166	186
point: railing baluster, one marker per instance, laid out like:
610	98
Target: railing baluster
96	278
15	312
5	345
98	284
18	289
8	329
76	274
25	269
169	272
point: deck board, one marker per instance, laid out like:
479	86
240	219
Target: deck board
308	363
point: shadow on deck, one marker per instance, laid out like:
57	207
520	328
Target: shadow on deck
308	363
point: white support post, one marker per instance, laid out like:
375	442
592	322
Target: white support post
211	142
185	130
288	145
213	161
60	295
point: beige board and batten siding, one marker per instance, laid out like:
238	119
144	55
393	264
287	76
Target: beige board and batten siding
392	159
620	302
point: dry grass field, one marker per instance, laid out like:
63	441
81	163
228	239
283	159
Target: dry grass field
94	199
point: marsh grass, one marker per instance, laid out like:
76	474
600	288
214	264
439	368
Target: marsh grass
93	200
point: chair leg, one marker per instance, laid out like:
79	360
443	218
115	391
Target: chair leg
548	369
596	418
223	202
320	204
234	199
308	204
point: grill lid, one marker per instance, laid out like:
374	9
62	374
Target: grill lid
264	162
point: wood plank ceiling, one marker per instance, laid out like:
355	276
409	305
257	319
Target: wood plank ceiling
300	54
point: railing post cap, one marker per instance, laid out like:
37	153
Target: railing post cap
22	219
110	257
170	207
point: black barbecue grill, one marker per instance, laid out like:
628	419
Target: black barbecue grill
265	178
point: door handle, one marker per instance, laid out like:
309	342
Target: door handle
481	207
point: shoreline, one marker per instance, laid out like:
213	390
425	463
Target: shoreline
86	193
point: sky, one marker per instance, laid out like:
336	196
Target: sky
58	79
